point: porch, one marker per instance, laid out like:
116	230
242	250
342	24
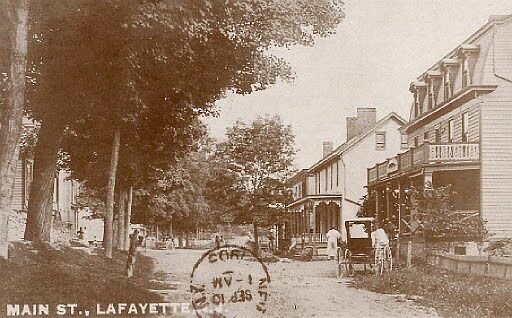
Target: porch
427	166
311	219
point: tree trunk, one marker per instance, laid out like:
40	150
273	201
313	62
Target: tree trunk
114	232
180	240
109	210
187	239
127	219
256	249
39	212
120	218
11	120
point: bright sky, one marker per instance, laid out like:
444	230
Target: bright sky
380	47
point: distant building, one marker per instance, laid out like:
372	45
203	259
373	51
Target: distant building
330	191
459	132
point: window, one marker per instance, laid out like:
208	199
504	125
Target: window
431	94
317	183
426	136
451	130
438	135
447	84
380	140
465	125
403	141
332	169
337	173
416	105
326	178
416	143
466	79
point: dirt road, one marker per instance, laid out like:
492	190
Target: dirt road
297	289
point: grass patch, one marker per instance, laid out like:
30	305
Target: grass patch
49	276
451	294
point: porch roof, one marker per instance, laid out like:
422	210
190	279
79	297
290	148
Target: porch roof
315	197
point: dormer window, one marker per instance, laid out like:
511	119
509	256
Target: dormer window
432	80
419	93
449	73
466	77
467	55
447	84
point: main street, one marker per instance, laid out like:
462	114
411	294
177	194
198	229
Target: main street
297	289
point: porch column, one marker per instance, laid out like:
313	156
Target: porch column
339	218
377	207
400	207
329	217
303	226
314	230
387	190
309	215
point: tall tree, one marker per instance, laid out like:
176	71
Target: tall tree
62	55
261	155
12	112
112	60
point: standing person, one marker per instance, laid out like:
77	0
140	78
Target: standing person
272	239
379	237
217	241
135	241
80	233
389	228
332	242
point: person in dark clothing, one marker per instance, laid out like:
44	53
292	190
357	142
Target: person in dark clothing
390	228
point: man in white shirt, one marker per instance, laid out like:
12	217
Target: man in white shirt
332	242
379	237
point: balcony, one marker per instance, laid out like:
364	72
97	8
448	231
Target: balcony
422	156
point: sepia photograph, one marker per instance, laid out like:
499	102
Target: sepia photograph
256	158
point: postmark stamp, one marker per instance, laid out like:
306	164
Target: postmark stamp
229	281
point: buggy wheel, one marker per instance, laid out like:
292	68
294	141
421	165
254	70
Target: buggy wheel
349	268
340	259
379	261
339	270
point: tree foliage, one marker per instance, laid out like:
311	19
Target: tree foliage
434	210
151	69
256	160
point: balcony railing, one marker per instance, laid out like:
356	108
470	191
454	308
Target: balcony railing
422	156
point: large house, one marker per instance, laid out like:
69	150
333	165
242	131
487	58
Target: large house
459	132
330	191
65	192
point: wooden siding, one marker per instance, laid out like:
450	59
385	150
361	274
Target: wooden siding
502	56
473	130
496	166
16	203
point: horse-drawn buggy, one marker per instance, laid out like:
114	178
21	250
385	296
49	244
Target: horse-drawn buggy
363	247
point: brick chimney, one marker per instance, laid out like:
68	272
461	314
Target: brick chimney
366	118
327	148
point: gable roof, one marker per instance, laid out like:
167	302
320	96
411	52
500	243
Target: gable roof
354	140
297	176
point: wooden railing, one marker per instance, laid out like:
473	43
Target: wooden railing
424	155
454	152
